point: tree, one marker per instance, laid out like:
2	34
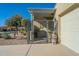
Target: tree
17	21
14	21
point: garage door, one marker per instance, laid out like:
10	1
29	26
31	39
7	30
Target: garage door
70	30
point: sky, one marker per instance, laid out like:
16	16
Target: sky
9	9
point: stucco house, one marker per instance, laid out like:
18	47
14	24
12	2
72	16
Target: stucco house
65	23
63	19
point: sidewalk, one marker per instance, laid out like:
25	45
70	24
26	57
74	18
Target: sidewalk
36	50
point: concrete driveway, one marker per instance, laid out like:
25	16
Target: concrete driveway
14	50
36	50
50	50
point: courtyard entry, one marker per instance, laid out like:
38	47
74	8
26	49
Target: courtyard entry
42	30
42	25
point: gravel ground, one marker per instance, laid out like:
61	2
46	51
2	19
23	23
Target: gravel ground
12	41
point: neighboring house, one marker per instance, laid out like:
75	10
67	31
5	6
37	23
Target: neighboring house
5	28
67	16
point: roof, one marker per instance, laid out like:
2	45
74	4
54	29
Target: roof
42	13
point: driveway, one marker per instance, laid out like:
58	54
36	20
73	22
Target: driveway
36	50
50	50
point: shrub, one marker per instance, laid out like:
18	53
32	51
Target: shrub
23	32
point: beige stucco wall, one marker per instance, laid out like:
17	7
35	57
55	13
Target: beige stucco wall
67	16
60	7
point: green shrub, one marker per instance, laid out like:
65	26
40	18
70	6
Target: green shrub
23	32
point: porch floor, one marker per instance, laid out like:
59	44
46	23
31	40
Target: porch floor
36	50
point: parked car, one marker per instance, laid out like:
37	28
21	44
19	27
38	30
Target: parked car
0	35
6	36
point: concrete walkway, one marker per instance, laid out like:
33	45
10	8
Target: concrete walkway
36	50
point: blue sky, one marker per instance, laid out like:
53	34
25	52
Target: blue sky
9	9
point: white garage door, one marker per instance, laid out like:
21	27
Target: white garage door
70	30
